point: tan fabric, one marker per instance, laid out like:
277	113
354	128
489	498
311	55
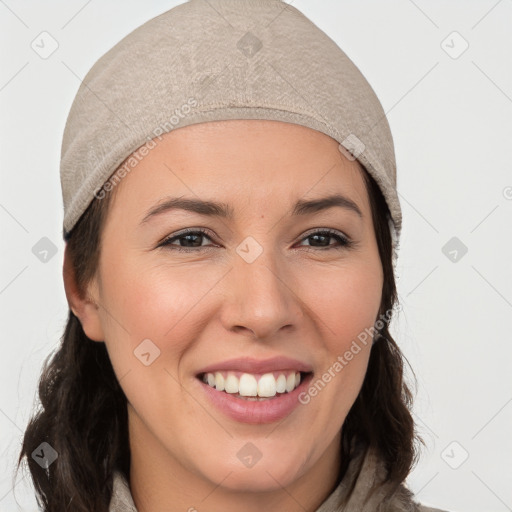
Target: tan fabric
363	474
219	60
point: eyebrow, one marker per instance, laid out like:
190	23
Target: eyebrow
214	209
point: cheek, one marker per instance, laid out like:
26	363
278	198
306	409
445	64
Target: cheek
161	304
156	301
347	301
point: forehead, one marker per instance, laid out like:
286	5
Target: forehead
266	162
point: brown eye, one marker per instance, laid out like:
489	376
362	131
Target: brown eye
192	239
321	239
188	241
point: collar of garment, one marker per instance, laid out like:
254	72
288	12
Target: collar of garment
358	491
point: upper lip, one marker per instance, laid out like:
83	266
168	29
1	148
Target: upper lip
251	365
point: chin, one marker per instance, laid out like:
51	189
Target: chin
260	477
255	482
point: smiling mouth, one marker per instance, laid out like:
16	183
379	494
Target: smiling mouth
254	387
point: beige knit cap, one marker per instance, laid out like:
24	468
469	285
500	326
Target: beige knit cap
210	60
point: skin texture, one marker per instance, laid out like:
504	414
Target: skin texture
208	305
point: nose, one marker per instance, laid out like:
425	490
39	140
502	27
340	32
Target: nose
260	297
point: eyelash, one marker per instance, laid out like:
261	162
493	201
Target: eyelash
344	241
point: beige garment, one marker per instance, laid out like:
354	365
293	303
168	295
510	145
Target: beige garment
363	473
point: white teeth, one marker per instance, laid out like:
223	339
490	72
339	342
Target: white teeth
281	384
290	382
231	384
267	385
248	385
219	381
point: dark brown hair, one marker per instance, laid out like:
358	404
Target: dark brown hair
83	412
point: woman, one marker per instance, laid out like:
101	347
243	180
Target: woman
231	223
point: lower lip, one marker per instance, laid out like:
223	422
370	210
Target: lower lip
248	411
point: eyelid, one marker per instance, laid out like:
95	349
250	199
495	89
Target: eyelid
184	232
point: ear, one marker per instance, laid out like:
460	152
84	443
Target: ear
83	303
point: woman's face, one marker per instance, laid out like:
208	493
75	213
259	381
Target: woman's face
257	285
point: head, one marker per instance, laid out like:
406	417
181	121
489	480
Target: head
132	274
